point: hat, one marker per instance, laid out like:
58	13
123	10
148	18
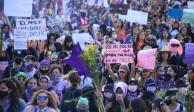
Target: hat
45	62
147	47
171	92
83	101
21	74
150	82
108	87
180	83
124	68
165	49
132	80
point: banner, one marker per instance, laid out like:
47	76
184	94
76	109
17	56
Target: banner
18	8
82	39
188	16
175	13
20	39
119	53
146	58
35	28
190	5
189	53
137	17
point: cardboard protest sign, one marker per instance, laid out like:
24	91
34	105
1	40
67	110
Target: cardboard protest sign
189	53
20	39
188	16
119	53
35	28
190	5
137	17
119	8
146	58
18	8
175	13
82	39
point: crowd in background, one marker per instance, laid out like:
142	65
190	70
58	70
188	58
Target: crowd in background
38	80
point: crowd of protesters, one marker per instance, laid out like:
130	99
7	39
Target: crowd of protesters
37	79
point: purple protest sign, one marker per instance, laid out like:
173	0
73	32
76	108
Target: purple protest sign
189	53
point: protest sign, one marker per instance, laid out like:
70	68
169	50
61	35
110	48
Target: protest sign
175	13
119	53
35	28
18	8
20	39
190	5
188	16
146	58
137	17
189	53
82	39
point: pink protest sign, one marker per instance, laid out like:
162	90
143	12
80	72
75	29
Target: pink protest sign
119	53
146	58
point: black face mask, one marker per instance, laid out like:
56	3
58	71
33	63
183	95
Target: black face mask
3	94
44	71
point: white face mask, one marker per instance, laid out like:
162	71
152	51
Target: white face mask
119	94
151	88
132	88
183	90
108	95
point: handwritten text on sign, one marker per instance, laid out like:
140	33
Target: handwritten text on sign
35	28
119	53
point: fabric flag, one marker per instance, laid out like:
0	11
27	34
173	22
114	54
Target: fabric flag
76	62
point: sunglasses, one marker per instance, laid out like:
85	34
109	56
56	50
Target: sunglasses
21	79
175	45
42	98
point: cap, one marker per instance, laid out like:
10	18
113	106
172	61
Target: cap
21	74
171	92
147	47
108	87
45	62
124	68
132	80
83	101
150	82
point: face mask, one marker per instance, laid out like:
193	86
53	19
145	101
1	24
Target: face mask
3	94
82	110
108	95
132	88
119	94
183	90
151	89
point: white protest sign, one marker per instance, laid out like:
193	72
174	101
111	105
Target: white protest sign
35	28
119	53
20	39
82	39
18	8
137	17
190	5
123	17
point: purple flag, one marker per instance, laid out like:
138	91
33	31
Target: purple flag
76	62
189	53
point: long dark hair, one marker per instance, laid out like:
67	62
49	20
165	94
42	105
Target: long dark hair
68	39
13	96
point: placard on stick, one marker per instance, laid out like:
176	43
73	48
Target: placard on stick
119	53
